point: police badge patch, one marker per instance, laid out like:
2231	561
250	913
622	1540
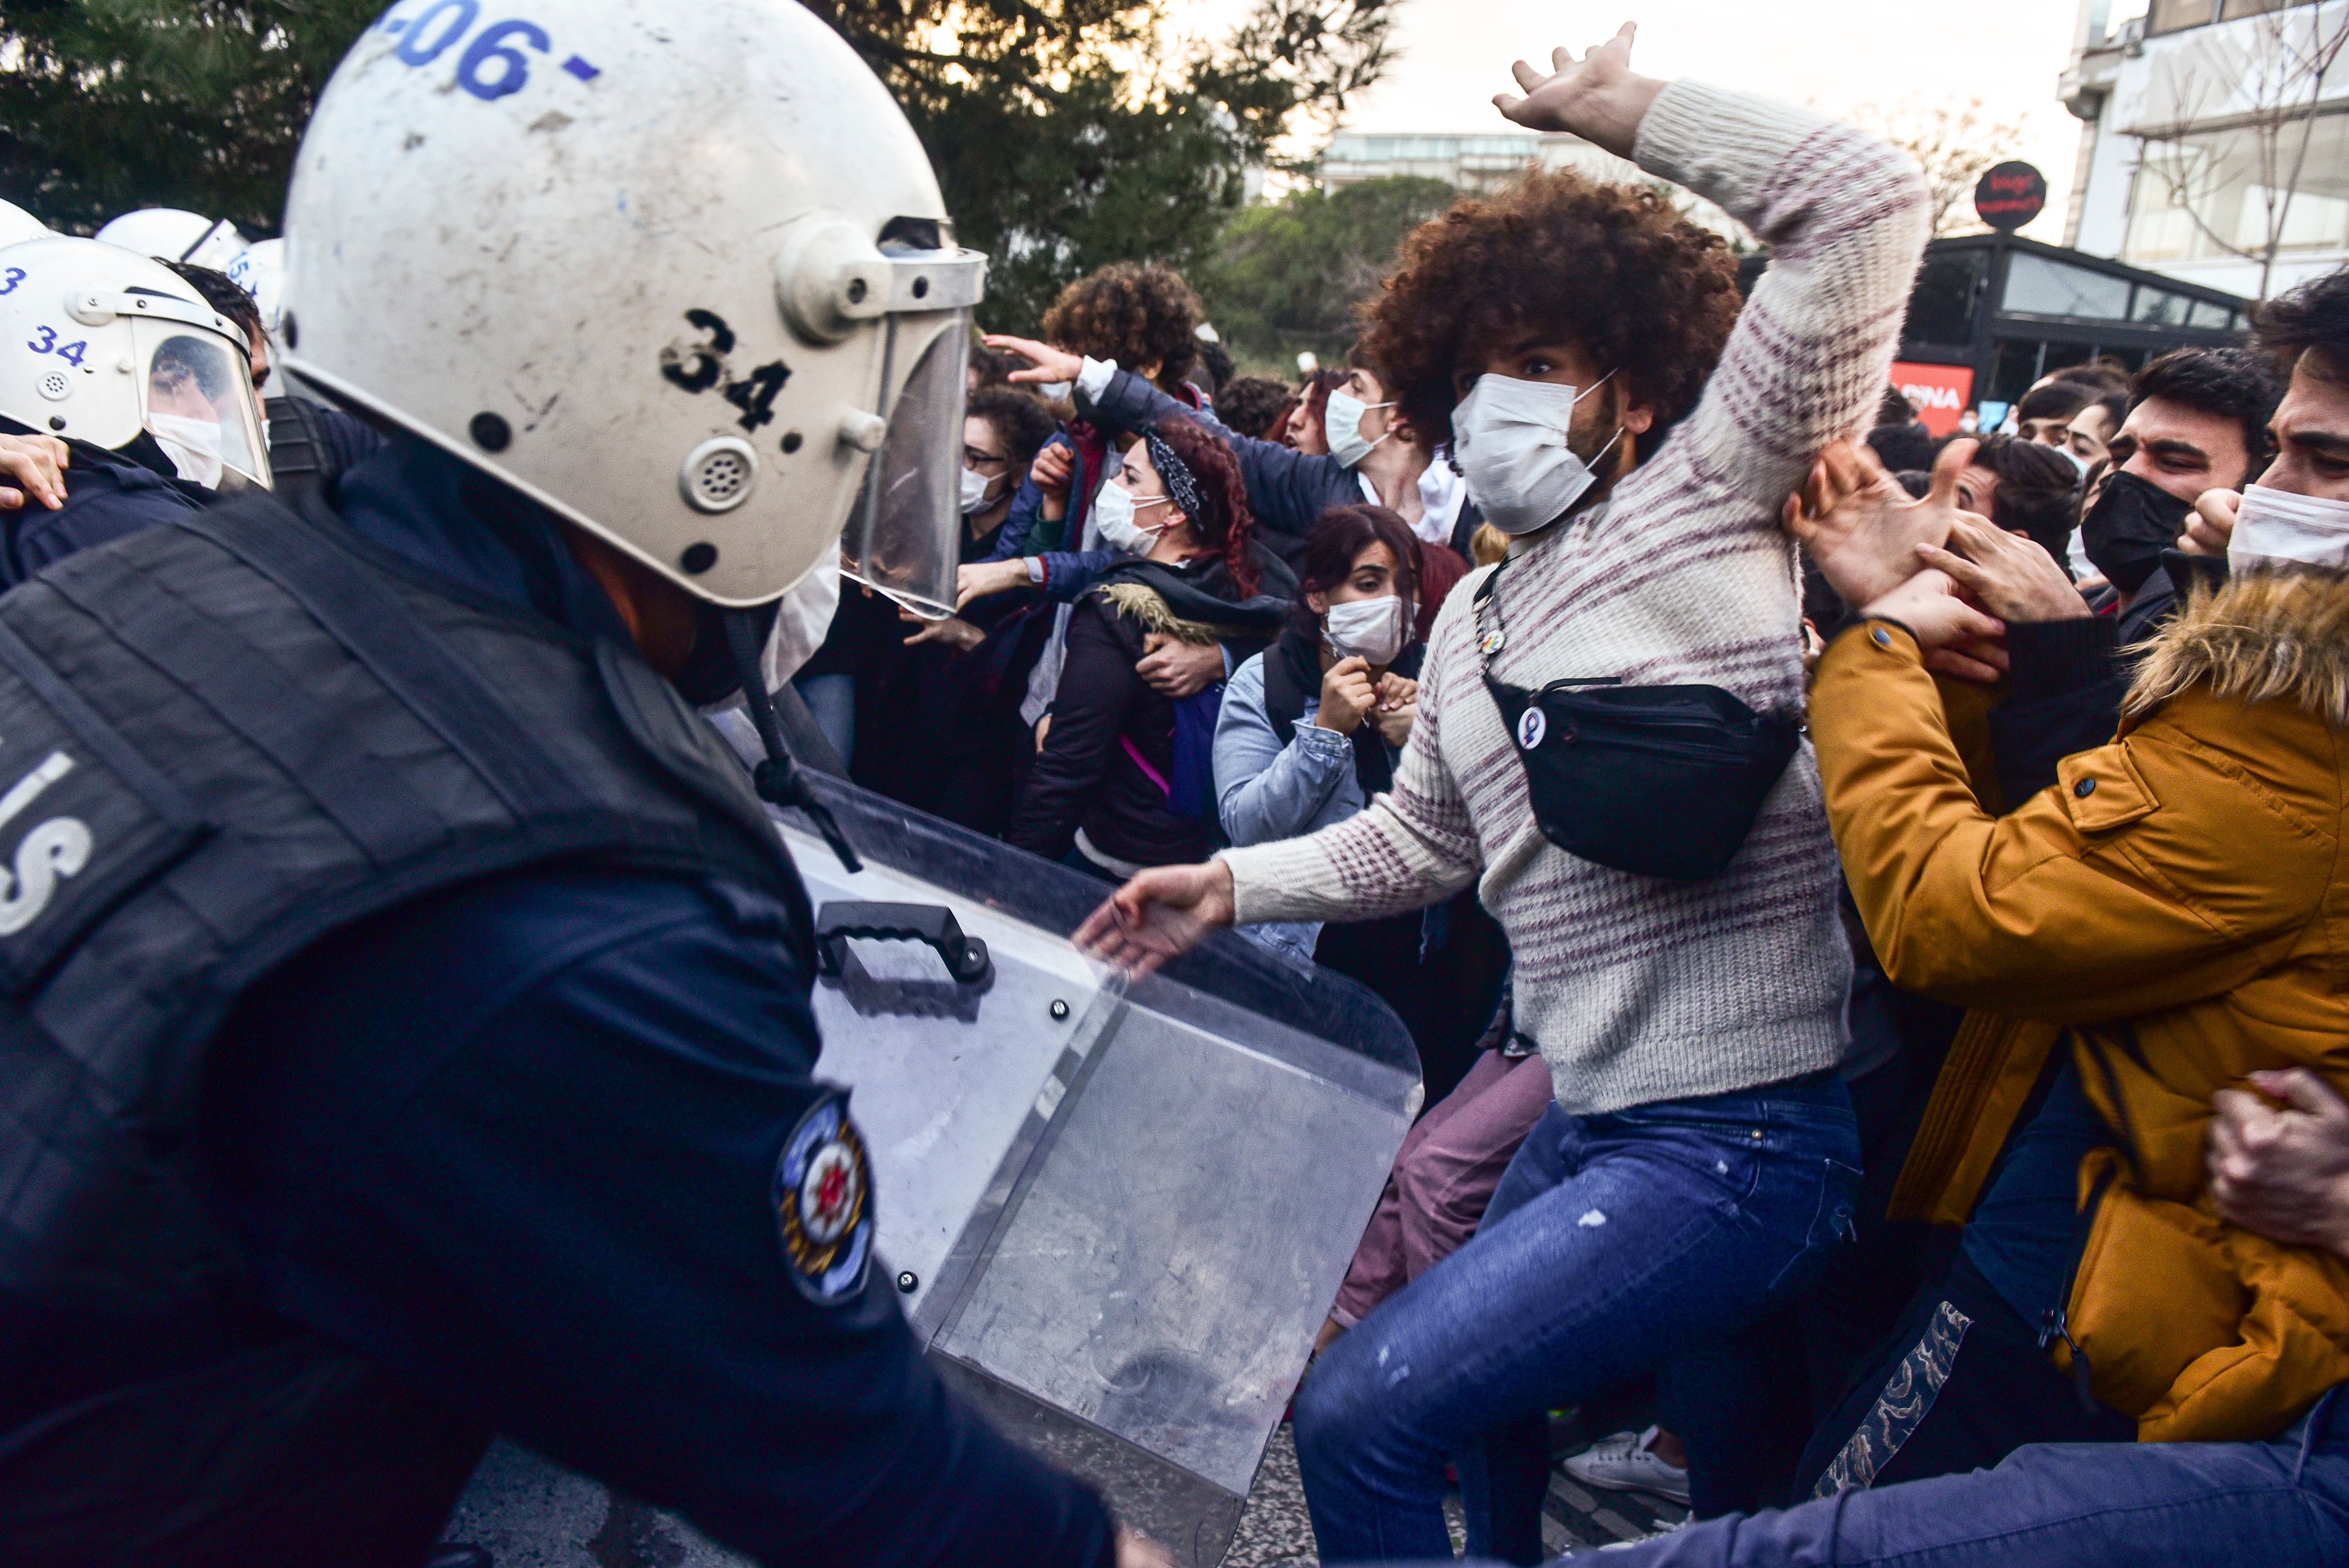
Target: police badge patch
824	1203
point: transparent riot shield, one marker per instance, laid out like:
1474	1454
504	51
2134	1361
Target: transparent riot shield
1116	1213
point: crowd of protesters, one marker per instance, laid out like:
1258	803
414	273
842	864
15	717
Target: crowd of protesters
1869	905
1963	1151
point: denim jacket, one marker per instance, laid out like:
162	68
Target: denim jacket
1268	787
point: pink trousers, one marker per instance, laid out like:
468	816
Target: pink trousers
1451	1162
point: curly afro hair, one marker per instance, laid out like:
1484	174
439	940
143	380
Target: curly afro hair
1136	312
1249	404
1557	259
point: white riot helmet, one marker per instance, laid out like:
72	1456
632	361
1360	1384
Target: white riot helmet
16	225
259	271
679	272
97	343
176	236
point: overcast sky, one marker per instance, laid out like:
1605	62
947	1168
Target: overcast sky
1455	55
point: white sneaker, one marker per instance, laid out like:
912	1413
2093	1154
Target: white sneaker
1624	1462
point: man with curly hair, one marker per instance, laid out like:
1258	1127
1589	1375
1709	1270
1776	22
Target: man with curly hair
1637	434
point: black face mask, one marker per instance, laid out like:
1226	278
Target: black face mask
2128	528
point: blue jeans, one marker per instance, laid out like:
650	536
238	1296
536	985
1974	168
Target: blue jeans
1614	1242
2281	1504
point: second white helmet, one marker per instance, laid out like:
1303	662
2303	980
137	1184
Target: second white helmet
680	273
98	344
176	236
16	225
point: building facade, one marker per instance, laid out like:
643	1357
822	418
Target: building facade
1472	160
2214	145
1483	161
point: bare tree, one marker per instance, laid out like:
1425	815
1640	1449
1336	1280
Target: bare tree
2261	83
1953	139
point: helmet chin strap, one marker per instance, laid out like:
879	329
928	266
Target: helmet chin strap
778	779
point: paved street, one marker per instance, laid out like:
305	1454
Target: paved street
1274	1533
531	1515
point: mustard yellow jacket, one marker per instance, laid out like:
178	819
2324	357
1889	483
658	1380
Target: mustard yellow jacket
2174	909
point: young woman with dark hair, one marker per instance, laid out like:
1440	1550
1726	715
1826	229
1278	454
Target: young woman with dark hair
1126	778
1342	677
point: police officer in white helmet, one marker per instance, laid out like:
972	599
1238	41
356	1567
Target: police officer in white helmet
132	386
405	1034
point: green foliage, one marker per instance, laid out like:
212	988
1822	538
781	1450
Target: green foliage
1066	133
1070	133
110	105
1287	274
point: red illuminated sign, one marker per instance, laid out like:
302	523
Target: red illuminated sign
1940	392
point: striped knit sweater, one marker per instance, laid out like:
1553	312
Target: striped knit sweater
1640	990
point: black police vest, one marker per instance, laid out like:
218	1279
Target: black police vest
220	741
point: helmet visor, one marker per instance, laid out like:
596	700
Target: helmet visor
906	537
196	398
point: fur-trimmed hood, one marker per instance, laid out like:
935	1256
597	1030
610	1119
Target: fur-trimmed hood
2278	632
1148	608
1197	601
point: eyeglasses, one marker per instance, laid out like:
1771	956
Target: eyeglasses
972	458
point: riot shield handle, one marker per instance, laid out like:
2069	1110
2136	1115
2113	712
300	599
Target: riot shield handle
932	924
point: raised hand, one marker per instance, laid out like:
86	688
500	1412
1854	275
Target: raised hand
978	579
1347	695
2008	575
1597	98
2212	524
1046	363
1862	527
1054	469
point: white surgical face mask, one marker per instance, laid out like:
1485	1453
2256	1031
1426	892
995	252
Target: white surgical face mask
1509	439
1365	629
1056	391
193	444
974	488
1113	509
2278	526
1342	421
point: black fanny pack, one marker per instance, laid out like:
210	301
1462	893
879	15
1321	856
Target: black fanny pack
1665	781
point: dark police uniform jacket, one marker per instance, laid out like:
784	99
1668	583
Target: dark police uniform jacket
111	495
403	1016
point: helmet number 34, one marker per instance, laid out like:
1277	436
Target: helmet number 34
493	64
